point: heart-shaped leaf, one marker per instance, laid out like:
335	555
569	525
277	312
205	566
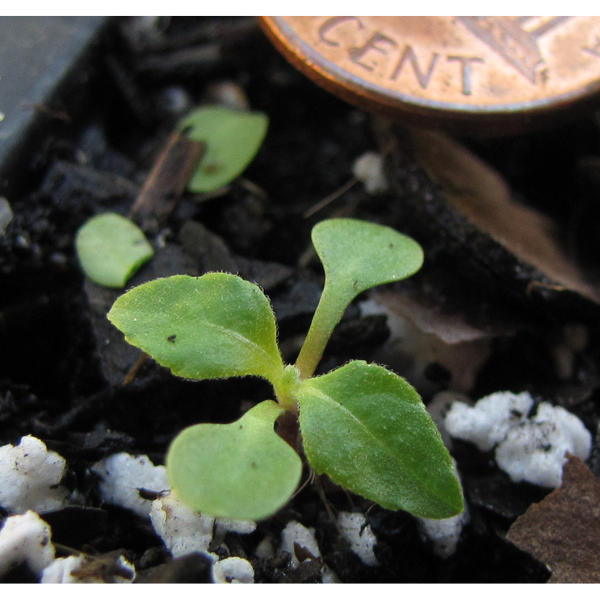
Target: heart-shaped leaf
232	140
111	248
242	470
213	326
368	430
356	255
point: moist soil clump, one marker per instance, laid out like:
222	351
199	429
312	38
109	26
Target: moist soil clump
68	378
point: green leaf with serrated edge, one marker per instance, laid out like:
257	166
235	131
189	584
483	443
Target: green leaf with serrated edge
111	248
213	326
356	255
242	470
368	430
232	140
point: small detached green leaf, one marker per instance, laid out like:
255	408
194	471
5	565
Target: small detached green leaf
208	327
369	431
232	140
111	248
242	470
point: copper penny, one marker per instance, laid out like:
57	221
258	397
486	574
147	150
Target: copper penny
471	74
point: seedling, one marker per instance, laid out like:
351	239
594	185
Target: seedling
362	425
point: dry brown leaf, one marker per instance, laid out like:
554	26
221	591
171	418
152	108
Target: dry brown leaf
482	196
563	530
423	336
452	328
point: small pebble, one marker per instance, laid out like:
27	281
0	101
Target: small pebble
6	215
228	94
368	168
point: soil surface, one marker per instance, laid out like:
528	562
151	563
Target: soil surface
62	382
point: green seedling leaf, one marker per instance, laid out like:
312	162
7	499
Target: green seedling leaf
242	470
111	248
368	430
213	326
356	255
232	140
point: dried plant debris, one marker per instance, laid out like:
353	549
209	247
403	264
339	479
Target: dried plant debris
109	568
563	530
431	350
468	212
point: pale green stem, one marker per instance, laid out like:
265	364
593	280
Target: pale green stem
285	387
329	313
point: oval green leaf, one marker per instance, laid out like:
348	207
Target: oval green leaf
242	470
369	431
232	140
358	255
111	248
208	327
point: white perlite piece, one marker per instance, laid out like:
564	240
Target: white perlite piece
64	570
444	533
439	406
182	530
30	477
535	451
528	449
295	532
232	570
488	422
368	168
225	525
123	475
25	539
360	535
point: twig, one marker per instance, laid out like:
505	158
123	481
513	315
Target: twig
329	199
321	494
135	369
168	179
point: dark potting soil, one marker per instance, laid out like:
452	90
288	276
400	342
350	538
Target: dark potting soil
62	365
